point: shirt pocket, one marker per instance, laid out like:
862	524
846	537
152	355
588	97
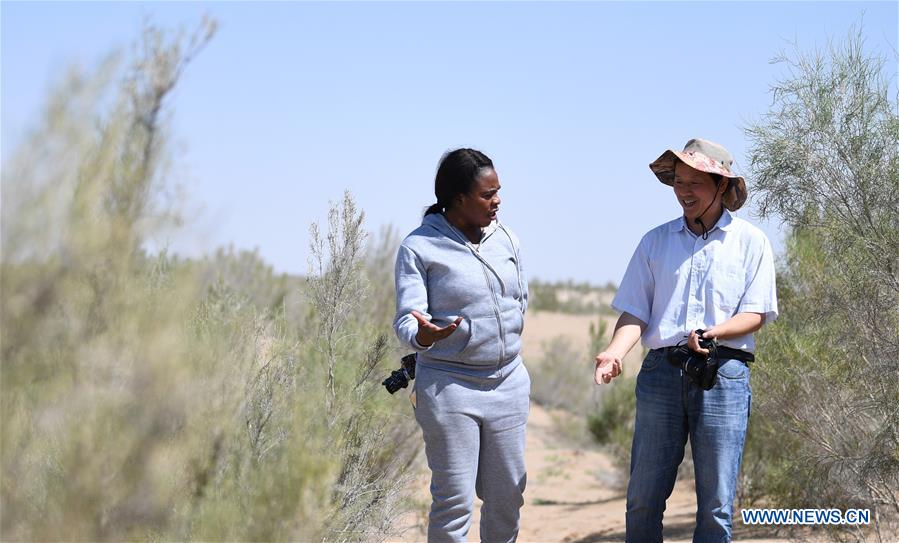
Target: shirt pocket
727	284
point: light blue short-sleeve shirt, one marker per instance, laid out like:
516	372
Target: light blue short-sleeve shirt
677	282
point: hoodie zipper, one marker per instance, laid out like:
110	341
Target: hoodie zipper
484	266
499	320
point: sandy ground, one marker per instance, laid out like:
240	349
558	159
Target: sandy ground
574	494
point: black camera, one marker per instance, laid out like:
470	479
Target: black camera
703	370
400	378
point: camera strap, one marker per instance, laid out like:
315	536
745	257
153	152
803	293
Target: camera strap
736	354
723	353
701	369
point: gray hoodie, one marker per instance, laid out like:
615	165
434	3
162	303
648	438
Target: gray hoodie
440	274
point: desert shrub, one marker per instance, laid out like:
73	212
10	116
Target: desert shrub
612	423
562	378
825	159
147	397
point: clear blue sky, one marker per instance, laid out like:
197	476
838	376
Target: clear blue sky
293	102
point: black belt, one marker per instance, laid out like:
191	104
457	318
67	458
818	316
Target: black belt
724	353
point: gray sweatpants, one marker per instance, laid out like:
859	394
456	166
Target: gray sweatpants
474	439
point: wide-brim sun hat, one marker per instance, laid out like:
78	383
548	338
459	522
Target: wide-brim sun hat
705	156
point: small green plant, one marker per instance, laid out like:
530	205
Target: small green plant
612	423
598	338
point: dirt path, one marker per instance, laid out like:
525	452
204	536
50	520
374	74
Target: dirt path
574	494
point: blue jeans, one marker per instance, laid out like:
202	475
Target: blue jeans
670	408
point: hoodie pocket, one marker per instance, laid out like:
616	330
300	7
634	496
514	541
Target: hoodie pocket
513	325
511	276
484	346
453	346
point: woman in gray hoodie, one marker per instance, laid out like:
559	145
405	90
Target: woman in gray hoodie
461	297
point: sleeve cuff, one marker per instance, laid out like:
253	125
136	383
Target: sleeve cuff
769	312
417	346
625	308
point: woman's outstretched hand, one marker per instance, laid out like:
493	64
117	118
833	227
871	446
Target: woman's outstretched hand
428	332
